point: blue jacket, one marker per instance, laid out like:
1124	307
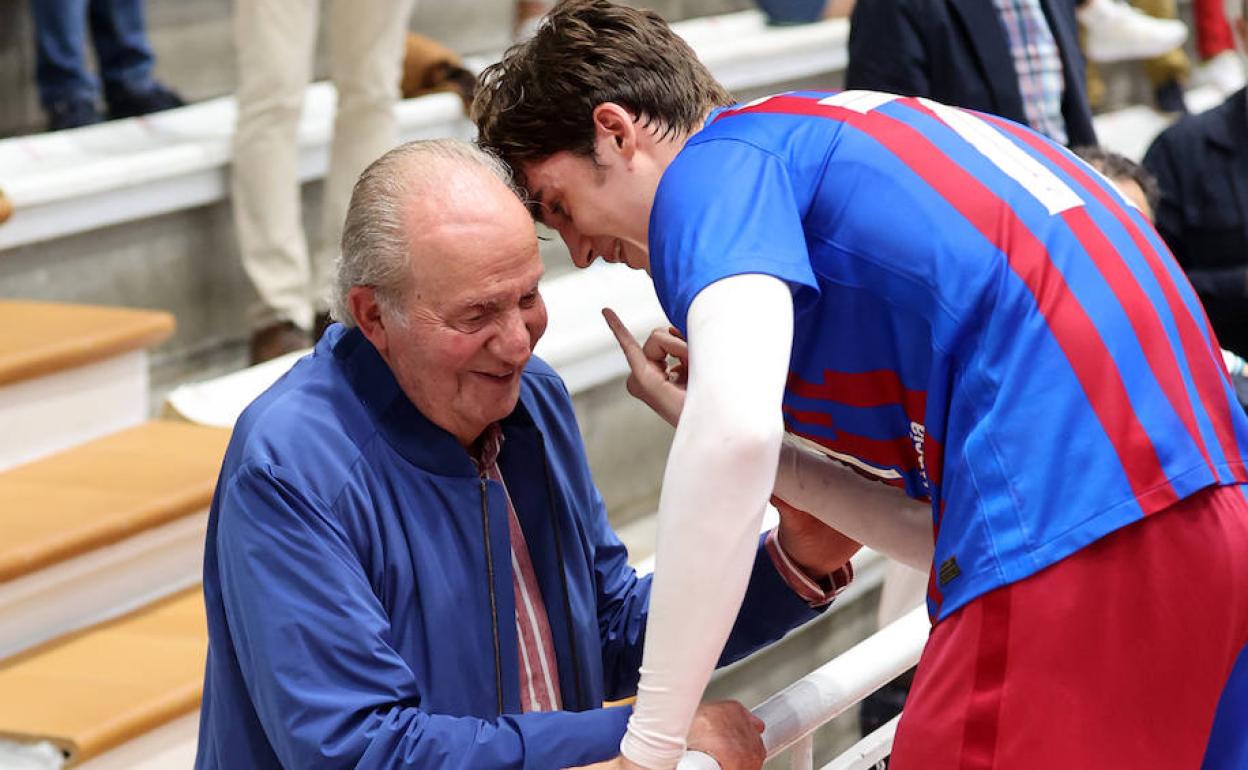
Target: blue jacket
359	590
958	52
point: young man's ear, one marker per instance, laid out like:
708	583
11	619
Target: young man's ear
615	129
366	310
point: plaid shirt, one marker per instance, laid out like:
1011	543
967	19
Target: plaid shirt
1038	64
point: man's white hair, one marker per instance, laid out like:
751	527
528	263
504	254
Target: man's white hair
376	250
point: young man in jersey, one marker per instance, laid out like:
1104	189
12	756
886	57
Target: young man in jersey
946	302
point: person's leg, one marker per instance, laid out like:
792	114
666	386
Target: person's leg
275	42
1114	657
119	30
366	63
61	75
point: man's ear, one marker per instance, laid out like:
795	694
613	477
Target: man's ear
615	131
366	310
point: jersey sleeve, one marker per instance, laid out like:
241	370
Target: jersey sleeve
726	207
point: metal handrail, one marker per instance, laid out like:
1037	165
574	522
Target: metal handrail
832	689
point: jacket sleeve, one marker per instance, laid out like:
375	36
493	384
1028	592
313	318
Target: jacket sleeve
886	52
313	646
770	610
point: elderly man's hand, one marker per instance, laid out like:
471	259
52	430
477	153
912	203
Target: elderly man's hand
651	379
817	548
725	730
730	733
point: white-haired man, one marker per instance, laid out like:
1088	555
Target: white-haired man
407	562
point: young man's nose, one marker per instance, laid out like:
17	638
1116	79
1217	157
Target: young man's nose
580	247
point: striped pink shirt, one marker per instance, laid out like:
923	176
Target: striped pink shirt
539	672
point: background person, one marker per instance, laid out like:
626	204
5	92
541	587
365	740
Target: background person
68	91
1201	166
276	42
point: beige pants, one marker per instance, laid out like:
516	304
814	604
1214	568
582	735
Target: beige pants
276	43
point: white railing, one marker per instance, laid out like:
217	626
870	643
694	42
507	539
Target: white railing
793	714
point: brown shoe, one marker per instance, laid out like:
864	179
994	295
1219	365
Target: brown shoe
275	340
319	324
430	67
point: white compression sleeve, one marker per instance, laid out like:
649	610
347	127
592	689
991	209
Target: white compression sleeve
719	476
874	514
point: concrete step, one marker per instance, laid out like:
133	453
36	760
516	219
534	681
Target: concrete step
93	691
97	530
71	373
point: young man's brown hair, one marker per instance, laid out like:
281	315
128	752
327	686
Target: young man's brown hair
539	100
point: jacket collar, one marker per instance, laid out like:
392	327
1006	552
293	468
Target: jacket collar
395	417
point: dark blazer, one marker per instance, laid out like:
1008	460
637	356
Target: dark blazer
957	52
1201	165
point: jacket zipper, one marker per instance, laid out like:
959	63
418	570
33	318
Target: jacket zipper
489	576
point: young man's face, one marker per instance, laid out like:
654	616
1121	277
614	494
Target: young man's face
600	207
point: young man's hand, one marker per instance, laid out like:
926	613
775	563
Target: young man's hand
651	379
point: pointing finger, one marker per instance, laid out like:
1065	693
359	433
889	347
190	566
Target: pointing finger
628	344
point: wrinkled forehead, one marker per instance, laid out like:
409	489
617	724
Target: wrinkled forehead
472	259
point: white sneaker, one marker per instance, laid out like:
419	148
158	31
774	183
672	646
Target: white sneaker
1225	72
1118	32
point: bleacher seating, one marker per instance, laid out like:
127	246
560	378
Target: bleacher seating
90	692
102	513
104	527
70	373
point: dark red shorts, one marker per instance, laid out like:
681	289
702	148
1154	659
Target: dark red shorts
1114	657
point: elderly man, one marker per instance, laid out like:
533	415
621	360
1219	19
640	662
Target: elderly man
407	563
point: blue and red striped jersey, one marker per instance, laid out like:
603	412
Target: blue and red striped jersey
980	319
